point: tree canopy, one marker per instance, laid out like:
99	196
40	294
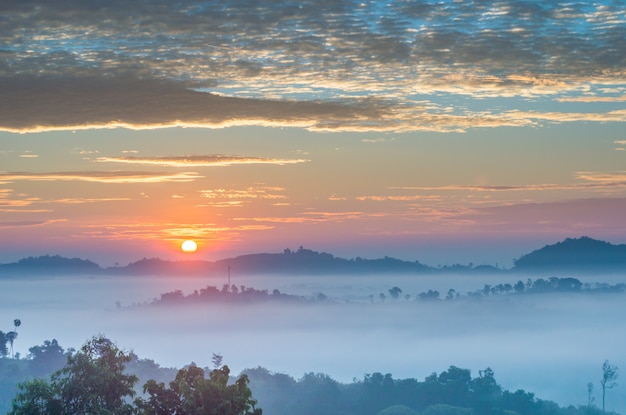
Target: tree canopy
94	382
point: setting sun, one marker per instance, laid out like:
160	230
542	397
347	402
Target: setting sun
189	246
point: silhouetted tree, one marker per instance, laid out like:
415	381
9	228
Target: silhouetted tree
217	360
590	398
609	377
395	292
46	358
92	382
3	344
11	336
191	394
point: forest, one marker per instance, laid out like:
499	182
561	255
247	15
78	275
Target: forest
99	378
243	294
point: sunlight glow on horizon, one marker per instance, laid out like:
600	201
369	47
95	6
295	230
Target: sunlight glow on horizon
386	130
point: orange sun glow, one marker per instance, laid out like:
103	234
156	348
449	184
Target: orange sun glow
189	246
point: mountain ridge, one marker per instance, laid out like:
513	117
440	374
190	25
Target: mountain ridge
571	255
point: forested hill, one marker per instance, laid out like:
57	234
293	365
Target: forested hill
301	261
575	255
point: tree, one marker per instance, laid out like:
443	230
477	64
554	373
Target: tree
590	397
609	377
191	394
395	292
47	358
11	336
92	382
217	360
4	351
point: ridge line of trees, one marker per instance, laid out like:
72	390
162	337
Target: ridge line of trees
100	379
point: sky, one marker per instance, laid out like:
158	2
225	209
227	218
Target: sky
439	131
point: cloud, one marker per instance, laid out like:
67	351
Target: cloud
30	224
315	217
260	192
161	231
70	201
42	105
100	177
604	179
198	161
398	198
591	180
578	216
336	66
560	117
593	99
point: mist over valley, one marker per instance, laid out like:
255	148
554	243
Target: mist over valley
551	343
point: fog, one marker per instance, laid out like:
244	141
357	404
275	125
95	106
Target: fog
548	344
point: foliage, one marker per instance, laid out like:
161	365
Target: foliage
452	392
608	381
99	379
191	394
4	350
398	410
92	382
443	409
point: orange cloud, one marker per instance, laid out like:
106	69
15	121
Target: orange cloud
593	98
101	177
198	161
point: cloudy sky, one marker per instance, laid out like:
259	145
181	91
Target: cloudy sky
444	131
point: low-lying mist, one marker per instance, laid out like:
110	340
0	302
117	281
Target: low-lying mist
550	344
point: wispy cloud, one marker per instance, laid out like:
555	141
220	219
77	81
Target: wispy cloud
398	198
30	224
593	98
591	180
604	179
100	177
198	161
559	117
165	231
259	192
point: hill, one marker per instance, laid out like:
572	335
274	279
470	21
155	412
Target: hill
575	255
51	265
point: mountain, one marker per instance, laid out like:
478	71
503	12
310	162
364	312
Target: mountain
306	261
51	265
577	255
573	255
302	261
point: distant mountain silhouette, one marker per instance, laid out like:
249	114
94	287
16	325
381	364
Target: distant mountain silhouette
51	265
580	255
306	261
301	261
575	255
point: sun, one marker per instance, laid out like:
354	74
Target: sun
189	246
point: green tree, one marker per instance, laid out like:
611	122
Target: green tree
486	391
11	336
47	358
609	377
191	394
4	351
92	382
395	292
